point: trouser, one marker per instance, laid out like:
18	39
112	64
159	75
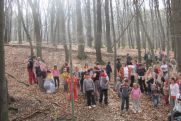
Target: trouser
109	75
40	82
65	86
31	75
142	85
90	98
173	115
97	89
166	98
125	100
103	93
57	81
136	104
81	84
150	82
155	99
132	80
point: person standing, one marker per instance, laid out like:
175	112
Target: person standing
104	81
89	89
141	79
124	92
174	90
31	73
74	88
128	59
108	70
176	110
118	65
56	74
136	95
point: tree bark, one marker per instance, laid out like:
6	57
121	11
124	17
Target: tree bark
3	81
138	43
108	38
63	31
25	29
80	35
19	27
37	27
176	12
89	26
99	33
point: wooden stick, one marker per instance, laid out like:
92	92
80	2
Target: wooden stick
17	79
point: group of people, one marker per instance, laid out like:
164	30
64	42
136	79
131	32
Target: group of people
159	79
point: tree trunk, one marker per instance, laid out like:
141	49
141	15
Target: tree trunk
138	43
176	12
26	29
99	33
108	38
89	26
37	26
3	81
95	22
114	39
63	31
80	35
19	28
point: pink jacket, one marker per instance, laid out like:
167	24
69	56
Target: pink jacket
56	73
136	93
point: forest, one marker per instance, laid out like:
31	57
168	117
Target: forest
50	50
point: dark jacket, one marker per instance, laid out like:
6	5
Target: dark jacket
108	69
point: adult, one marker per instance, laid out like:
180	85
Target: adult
125	72
164	70
128	59
40	68
31	73
149	79
109	70
176	110
118	65
96	77
141	77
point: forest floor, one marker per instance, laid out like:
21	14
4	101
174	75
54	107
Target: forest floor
33	105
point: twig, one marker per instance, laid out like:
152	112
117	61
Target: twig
22	118
17	79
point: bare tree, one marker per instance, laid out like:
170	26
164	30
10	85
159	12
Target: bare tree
37	26
176	11
80	36
99	33
3	81
108	38
89	26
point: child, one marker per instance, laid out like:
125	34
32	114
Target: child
135	95
49	84
124	92
74	88
89	89
104	81
155	89
56	74
166	92
65	76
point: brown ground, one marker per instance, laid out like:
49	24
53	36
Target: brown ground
33	105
